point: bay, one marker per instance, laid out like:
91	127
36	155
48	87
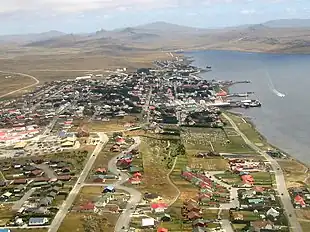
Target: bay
280	81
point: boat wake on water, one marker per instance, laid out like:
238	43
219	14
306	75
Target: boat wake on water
272	87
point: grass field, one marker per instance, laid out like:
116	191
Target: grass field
88	194
84	222
10	83
303	216
249	130
6	214
295	173
155	156
260	178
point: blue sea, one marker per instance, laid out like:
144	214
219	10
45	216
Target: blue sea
280	81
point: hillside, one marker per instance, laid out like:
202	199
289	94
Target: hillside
272	36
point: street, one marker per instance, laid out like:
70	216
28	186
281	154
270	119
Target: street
78	185
280	181
135	196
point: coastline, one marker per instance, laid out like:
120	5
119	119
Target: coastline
243	50
249	120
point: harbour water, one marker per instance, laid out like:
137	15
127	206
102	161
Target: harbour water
280	82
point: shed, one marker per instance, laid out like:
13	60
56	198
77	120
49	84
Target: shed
146	222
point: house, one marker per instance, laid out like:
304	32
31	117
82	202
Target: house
159	207
101	171
64	178
247	179
19	189
133	170
20	181
201	223
137	175
160	229
193	216
273	213
191	207
109	189
52	194
134	180
46	201
260	226
36	172
299	201
88	207
37	221
165	218
148	222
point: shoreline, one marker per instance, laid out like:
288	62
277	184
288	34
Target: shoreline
249	120
240	50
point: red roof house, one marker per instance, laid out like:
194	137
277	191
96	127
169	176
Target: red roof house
221	94
101	171
299	201
247	179
137	174
159	207
162	230
88	207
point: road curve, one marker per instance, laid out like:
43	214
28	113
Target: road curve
135	196
61	214
26	87
280	181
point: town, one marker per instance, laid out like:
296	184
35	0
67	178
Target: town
151	150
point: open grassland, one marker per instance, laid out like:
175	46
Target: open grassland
303	216
295	173
156	155
11	82
83	222
115	124
88	194
249	130
6	214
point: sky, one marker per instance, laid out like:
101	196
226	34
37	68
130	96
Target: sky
76	16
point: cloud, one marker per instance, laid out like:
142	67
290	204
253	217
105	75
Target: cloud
72	6
248	11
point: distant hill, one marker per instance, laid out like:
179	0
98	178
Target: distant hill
288	23
272	36
27	38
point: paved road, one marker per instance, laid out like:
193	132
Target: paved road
281	185
135	196
48	171
26	87
77	187
18	204
233	191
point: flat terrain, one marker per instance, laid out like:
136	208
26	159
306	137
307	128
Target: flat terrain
83	222
155	156
12	82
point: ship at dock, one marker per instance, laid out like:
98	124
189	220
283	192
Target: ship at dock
249	103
